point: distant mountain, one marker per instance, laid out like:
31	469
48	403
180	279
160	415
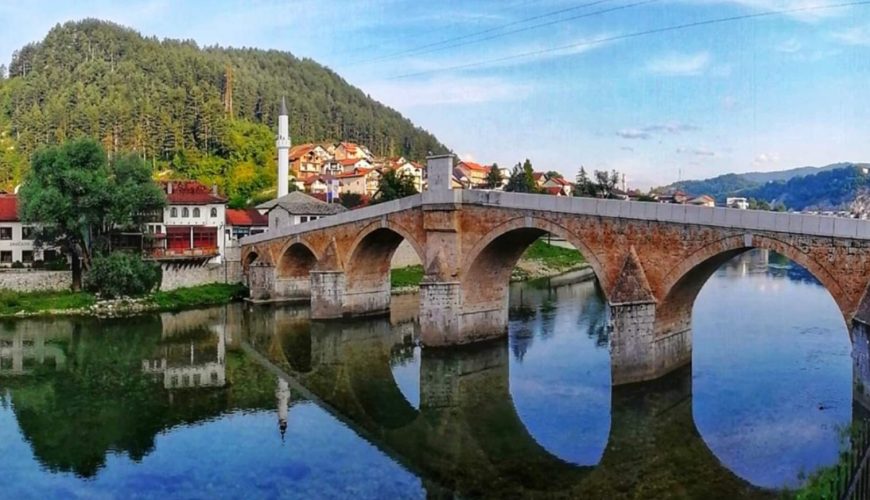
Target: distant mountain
829	187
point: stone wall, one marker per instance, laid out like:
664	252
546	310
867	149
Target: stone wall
23	280
405	256
186	274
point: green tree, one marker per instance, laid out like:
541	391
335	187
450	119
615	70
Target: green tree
75	198
351	200
494	178
121	274
393	186
583	186
522	179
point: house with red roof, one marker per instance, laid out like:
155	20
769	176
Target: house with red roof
245	222
16	239
474	172
307	159
193	223
350	150
558	185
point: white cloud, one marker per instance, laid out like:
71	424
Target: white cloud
679	64
647	132
859	35
766	158
697	152
405	94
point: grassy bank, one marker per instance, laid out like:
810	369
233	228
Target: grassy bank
34	303
551	258
406	276
213	294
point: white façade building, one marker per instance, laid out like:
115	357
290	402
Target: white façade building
193	223
16	239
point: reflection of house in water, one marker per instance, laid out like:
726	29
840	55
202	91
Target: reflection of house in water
193	350
26	348
752	262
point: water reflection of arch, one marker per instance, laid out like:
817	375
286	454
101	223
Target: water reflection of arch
468	437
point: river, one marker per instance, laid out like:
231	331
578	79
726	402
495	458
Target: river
256	401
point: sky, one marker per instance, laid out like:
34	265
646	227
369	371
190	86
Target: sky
606	84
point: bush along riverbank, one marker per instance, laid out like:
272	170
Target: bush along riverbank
541	260
15	304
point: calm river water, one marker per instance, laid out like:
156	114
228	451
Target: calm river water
252	401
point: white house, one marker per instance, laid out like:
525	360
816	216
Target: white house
16	240
193	223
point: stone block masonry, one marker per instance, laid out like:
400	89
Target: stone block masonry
182	275
23	280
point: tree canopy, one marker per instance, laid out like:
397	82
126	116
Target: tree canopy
393	185
522	179
75	197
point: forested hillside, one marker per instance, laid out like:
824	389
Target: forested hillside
201	112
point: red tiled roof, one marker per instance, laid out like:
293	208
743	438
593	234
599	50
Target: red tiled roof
8	208
560	180
554	190
537	175
351	174
190	193
350	161
248	217
475	166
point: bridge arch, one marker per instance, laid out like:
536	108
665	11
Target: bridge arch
684	281
487	268
367	266
249	258
296	260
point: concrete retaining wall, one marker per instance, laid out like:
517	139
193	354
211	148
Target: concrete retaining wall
180	275
35	281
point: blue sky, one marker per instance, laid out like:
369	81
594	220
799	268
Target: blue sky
758	94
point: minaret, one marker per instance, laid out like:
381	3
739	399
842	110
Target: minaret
283	144
282	394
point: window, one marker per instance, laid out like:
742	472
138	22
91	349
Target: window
196	212
26	232
313	218
303	218
6	257
213	212
173	212
49	255
27	256
185	212
5	233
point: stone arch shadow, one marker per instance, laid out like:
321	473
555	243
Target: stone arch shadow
293	266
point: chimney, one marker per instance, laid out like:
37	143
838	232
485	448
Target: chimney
169	187
440	171
214	189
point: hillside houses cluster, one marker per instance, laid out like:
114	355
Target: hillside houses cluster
346	167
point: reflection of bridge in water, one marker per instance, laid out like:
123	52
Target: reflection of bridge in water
466	435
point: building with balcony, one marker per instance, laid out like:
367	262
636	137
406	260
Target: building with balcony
16	238
192	225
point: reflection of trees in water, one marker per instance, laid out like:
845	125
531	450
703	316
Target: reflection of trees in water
533	313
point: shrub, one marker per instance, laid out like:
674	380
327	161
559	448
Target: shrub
17	265
121	274
58	264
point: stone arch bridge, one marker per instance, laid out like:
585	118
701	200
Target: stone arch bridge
651	261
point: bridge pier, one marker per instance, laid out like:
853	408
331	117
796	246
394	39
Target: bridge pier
327	294
261	281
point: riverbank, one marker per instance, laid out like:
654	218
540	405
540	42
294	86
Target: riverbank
540	261
14	304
